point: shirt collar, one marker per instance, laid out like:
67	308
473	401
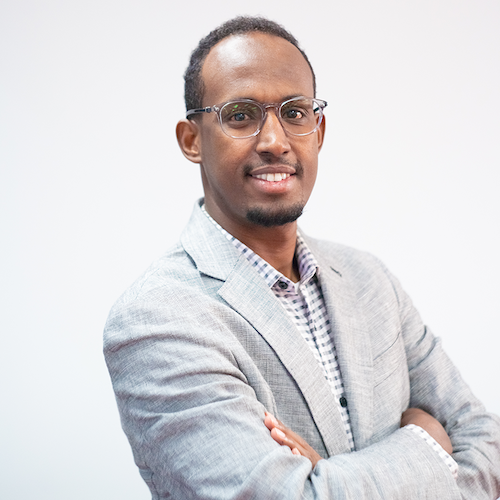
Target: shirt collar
306	262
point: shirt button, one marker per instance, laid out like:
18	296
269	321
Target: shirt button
343	402
283	285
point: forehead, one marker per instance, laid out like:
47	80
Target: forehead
256	65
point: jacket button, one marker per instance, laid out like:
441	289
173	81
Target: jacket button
343	402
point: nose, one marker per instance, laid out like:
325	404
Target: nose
272	139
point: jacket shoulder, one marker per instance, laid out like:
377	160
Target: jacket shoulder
168	280
343	259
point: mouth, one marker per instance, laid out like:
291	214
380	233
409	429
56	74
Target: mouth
272	176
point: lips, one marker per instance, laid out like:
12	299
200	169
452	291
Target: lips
272	173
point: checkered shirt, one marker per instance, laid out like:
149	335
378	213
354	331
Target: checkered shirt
305	305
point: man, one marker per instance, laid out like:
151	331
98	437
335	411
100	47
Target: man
247	316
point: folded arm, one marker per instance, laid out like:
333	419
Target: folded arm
195	424
298	446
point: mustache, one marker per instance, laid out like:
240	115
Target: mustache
297	166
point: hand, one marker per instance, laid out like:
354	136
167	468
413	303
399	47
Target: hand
286	437
428	423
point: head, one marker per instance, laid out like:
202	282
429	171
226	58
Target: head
193	82
266	179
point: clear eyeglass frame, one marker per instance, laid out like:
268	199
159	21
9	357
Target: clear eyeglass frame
317	106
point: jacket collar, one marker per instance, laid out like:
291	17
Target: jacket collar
212	253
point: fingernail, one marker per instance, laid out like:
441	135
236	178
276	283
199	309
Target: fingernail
273	419
280	433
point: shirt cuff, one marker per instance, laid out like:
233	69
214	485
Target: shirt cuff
452	465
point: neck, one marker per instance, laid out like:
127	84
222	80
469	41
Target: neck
275	244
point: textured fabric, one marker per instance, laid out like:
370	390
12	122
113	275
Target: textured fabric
452	465
304	304
306	307
199	347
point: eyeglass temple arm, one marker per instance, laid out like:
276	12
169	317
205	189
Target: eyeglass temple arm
198	110
322	105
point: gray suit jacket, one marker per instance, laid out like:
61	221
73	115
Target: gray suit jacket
199	347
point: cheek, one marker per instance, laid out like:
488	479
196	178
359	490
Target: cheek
217	149
311	180
309	160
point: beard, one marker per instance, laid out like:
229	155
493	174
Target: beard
277	217
280	215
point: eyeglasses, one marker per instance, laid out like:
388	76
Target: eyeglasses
245	117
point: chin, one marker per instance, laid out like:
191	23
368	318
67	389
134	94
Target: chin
275	217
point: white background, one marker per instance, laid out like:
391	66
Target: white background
93	188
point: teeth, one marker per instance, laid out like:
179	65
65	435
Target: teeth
272	177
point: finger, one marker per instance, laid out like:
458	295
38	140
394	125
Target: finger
270	421
281	438
276	422
295	442
292	439
278	435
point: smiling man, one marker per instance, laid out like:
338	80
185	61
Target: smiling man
247	321
258	162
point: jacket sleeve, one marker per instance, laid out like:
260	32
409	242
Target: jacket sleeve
196	426
438	388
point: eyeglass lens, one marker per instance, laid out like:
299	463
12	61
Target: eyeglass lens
243	118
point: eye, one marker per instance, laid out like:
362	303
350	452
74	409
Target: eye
238	117
239	113
297	110
293	114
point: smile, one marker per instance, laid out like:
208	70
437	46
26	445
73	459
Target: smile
272	177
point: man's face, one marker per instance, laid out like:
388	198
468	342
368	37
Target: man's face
267	69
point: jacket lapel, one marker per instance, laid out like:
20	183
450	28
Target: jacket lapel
352	341
248	294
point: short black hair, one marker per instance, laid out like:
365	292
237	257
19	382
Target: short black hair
193	83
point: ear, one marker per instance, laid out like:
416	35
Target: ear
188	137
321	133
